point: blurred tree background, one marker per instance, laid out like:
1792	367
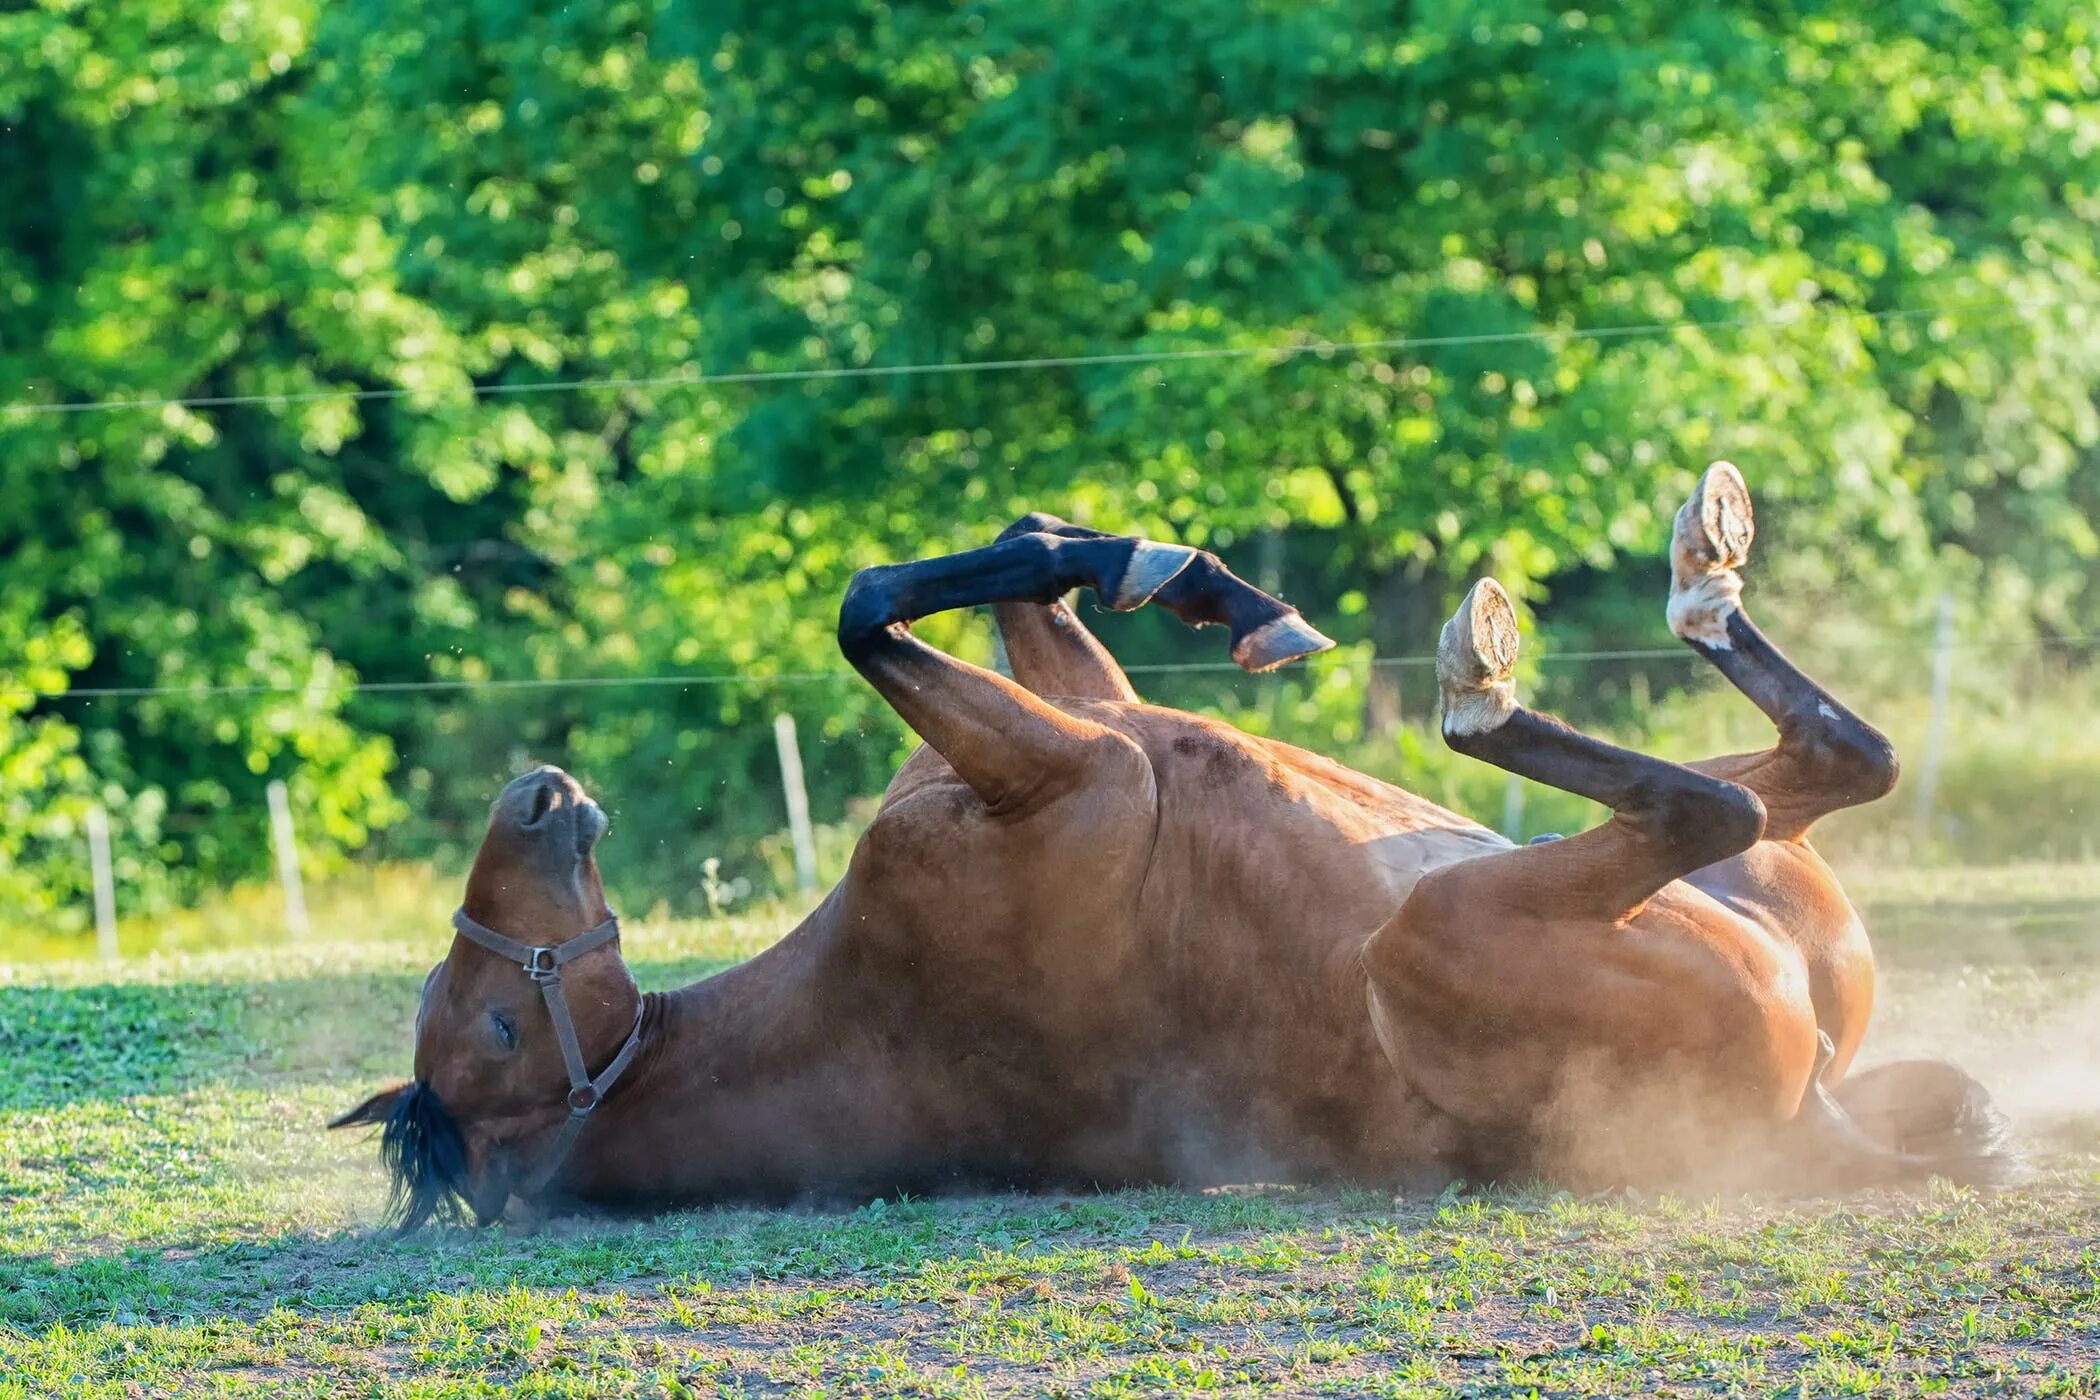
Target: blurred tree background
1875	226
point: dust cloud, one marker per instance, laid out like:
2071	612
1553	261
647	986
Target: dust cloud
2023	1019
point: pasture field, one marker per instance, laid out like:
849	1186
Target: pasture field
177	1223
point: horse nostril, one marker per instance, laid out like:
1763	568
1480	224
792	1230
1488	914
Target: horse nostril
542	802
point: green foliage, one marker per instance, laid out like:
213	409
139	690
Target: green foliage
289	199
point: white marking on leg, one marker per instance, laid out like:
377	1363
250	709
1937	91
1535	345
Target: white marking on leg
1699	611
1823	709
1480	710
1151	565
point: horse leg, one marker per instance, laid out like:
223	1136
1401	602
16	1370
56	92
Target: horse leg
1826	758
1053	653
1667	820
1049	649
997	735
1574	1012
1586	1015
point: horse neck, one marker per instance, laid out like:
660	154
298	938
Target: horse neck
764	1079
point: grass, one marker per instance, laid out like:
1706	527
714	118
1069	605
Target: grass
173	1221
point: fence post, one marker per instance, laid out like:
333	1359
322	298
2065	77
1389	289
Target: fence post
286	846
1269	557
1936	724
105	882
1513	808
797	802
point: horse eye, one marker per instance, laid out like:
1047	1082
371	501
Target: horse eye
505	1031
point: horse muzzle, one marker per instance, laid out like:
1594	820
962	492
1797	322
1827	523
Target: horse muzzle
548	806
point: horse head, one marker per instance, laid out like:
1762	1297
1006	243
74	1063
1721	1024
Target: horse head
487	1113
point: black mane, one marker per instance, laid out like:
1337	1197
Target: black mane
427	1160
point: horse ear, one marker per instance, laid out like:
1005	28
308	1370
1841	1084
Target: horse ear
372	1110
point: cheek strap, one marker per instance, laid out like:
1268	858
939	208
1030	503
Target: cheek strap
543	964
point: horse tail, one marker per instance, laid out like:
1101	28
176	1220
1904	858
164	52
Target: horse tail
1934	1118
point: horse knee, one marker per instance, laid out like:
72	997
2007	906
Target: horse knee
867	611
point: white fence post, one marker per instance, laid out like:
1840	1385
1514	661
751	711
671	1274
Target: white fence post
1269	553
1936	724
286	846
797	802
1513	808
105	882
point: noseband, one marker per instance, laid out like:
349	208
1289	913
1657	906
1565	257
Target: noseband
543	965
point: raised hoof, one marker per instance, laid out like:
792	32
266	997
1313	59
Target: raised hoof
1151	566
1709	542
1278	641
1715	527
1474	657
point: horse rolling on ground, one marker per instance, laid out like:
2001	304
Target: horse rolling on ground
1088	941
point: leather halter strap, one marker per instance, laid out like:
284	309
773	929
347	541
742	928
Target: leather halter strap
543	964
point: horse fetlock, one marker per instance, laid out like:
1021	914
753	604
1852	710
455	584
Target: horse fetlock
1474	657
1149	569
1708	543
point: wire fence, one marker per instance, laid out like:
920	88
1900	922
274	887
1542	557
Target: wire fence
338	688
1277	353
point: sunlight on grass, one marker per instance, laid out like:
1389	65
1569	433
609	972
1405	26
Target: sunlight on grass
174	1220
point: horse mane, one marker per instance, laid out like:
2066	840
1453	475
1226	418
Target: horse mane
426	1158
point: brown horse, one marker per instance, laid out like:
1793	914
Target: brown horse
1089	941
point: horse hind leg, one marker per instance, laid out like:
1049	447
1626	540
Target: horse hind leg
1501	972
1531	993
1667	820
1826	758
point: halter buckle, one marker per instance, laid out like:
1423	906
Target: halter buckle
540	965
583	1098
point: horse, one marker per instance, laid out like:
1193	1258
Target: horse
1089	942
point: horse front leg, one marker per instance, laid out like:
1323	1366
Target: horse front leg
999	736
1048	648
1053	653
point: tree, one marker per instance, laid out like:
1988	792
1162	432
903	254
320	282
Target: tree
1868	229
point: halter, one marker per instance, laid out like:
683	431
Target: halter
543	964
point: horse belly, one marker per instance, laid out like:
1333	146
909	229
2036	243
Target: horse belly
1400	860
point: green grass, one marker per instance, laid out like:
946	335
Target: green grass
173	1220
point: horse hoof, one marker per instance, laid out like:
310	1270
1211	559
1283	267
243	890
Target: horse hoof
1151	566
1708	543
1279	640
1474	657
